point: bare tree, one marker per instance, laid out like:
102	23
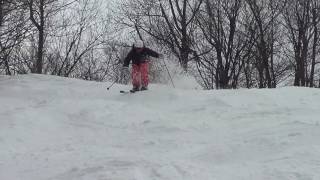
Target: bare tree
77	40
265	15
171	23
12	30
219	22
301	21
315	18
41	12
38	18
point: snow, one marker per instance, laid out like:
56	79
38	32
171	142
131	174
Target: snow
54	128
183	81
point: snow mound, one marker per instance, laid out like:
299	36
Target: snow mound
54	128
186	82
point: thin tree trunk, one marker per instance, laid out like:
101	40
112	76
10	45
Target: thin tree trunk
303	74
314	46
6	62
39	65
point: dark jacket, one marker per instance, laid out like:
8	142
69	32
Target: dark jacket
139	55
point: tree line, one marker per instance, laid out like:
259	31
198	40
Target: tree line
235	43
70	38
223	43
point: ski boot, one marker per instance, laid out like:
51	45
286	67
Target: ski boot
134	89
143	88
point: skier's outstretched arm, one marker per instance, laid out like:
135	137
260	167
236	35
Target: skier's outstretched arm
152	53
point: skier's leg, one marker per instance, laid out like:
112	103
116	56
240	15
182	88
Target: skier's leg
135	76
144	68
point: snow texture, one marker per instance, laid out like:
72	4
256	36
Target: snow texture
54	128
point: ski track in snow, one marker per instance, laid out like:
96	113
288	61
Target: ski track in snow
54	128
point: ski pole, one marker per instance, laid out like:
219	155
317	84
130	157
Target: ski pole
114	82
111	85
168	72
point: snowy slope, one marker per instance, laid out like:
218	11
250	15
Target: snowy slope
54	128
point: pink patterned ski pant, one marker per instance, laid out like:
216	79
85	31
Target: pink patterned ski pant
140	74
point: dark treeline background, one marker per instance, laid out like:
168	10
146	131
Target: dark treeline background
222	43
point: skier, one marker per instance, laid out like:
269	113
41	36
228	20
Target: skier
140	65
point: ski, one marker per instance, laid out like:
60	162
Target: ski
130	91
126	92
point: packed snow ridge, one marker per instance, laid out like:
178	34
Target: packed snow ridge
54	128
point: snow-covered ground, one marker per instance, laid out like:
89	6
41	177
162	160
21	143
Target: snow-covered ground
54	128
